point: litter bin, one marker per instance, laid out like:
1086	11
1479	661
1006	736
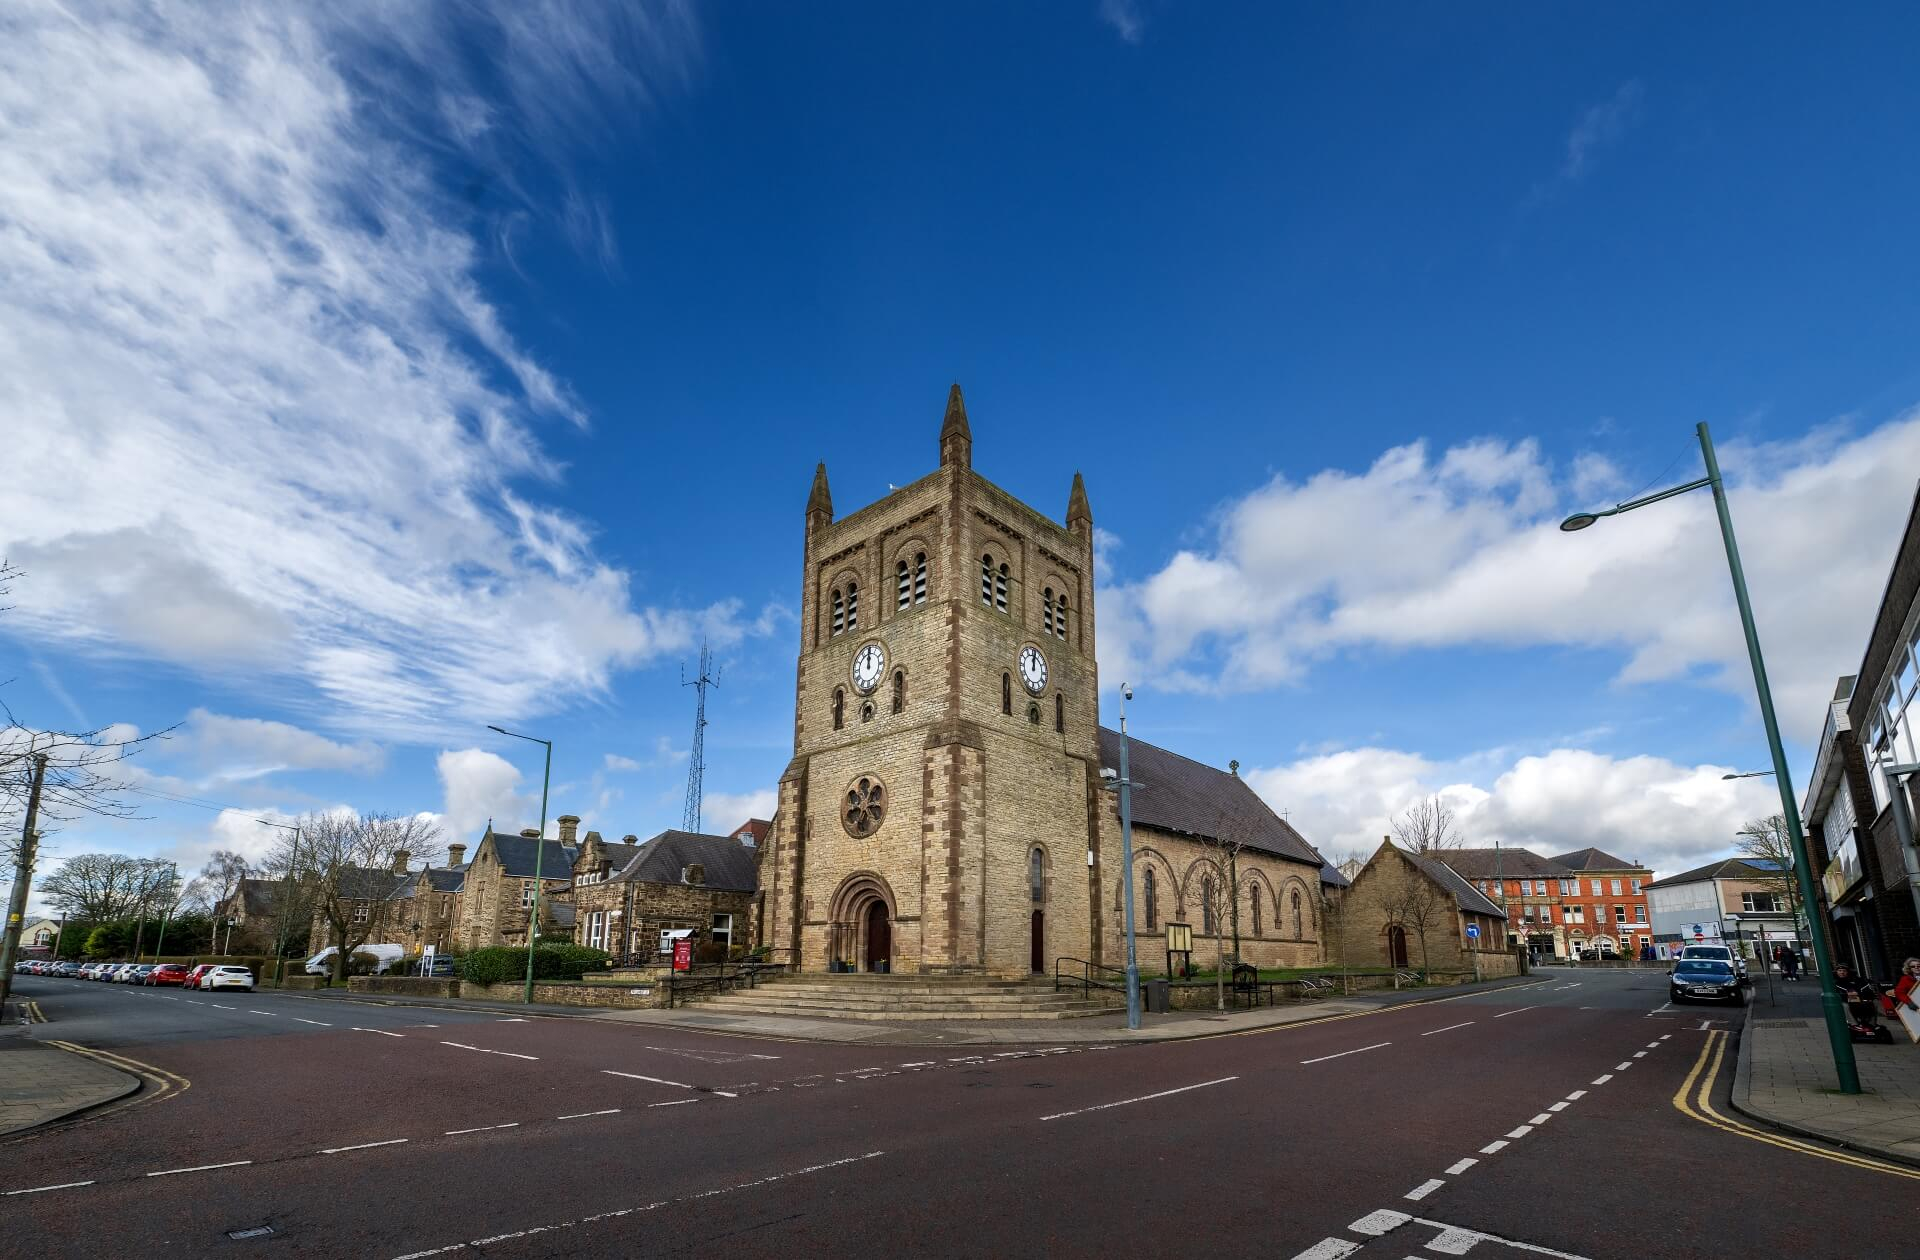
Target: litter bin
1159	1000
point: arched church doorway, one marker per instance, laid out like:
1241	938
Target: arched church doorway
1039	942
879	937
1397	945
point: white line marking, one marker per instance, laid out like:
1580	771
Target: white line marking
1374	1224
1621	1067
1653	1045
1462	1233
1639	1054
517	1019
1455	1169
461	1045
216	1006
65	1185
1521	1011
1664	1036
1124	1102
1664	1006
1521	1132
1344	1053
1540	1119
1576	1095
1559	1106
1425	1188
1448	1028
196	1001
482	1128
678	1102
297	1019
635	1076
1329	1249
581	1115
168	1172
1493	1148
383	1032
921	1063
1602	1079
335	1150
262	1012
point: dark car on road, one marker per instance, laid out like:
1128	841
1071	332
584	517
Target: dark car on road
168	973
1705	980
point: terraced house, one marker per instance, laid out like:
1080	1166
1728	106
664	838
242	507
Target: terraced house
497	892
633	898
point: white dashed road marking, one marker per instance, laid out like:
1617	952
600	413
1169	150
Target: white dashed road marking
461	1045
1521	1132
1460	1166
1601	1079
1125	1102
65	1185
1540	1119
1521	1011
1448	1028
339	1150
383	1032
1425	1188
168	1172
1494	1148
1329	1249
635	1076
1344	1053
582	1115
482	1128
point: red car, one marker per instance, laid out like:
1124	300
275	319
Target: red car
168	973
191	980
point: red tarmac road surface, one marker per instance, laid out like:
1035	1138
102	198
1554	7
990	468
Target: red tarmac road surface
1506	1113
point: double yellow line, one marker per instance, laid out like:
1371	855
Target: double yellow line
1695	1100
163	1083
32	1011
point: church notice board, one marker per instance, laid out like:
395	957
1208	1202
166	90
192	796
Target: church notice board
1179	941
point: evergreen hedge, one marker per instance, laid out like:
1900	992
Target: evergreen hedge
503	964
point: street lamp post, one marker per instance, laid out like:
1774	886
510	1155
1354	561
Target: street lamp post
539	851
1830	1002
1124	785
286	901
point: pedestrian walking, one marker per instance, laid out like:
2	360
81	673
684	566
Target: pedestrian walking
1790	962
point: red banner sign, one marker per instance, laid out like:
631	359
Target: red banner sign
683	954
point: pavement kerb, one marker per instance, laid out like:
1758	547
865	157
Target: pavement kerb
96	1084
1370	1003
1741	1097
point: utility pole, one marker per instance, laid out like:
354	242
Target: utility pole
286	902
22	877
166	908
697	763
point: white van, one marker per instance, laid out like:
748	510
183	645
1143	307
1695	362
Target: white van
321	964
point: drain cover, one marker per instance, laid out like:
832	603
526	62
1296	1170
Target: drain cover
258	1231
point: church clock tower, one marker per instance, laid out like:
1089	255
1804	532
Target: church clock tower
940	813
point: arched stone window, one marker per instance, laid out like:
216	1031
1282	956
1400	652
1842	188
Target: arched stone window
1046	609
920	577
1060	713
839	708
1298	932
839	623
1006	693
986	579
1206	906
904	581
866	711
1060	616
1037	874
899	691
853	605
1149	884
1254	890
1000	589
1033	714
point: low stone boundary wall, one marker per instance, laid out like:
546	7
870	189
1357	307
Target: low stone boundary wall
294	982
640	996
408	986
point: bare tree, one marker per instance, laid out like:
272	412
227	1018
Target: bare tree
224	875
1216	897
1764	842
349	862
1420	906
96	887
79	777
1427	826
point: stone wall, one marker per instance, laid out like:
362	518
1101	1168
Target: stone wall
597	995
411	986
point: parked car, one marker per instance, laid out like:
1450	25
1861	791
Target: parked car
124	973
1719	953
193	977
442	965
1707	980
169	973
227	978
139	972
321	964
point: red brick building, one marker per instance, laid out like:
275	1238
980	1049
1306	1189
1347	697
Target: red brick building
1565	906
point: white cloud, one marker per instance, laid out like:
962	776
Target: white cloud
261	417
664	755
250	747
1645	809
614	761
1599	127
1464	549
722	811
478	786
1125	17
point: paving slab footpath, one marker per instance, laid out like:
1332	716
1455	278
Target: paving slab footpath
41	1083
1785	1076
1174	1026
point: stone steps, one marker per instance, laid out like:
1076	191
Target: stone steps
883	998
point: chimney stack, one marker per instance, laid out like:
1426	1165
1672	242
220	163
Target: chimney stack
456	854
400	857
569	828
530	833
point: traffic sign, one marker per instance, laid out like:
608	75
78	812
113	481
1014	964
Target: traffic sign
1473	929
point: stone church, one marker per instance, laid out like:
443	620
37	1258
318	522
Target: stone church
944	810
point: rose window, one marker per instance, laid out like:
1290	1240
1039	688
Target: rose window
865	807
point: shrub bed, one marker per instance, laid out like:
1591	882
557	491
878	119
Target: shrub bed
500	964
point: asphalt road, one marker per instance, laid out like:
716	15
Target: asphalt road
1552	1119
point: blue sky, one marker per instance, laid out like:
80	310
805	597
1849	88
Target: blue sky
380	374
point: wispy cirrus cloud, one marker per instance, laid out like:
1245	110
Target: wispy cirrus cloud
264	420
1127	18
1598	128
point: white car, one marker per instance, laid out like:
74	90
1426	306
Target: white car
1715	953
228	978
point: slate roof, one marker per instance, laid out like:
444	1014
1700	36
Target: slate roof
730	865
448	879
1502	864
1725	868
258	896
618	855
1595	860
516	856
1331	876
367	883
1465	895
1181	795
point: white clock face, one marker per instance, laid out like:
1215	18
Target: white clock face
868	664
1033	670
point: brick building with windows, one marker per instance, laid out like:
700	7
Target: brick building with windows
1570	906
631	898
1732	902
497	892
1607	902
1407	909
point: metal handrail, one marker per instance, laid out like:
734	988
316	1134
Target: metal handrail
1091	976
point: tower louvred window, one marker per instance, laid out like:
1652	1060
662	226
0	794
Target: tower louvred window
904	581
839	613
986	580
920	578
1060	617
1046	609
853	606
1000	589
